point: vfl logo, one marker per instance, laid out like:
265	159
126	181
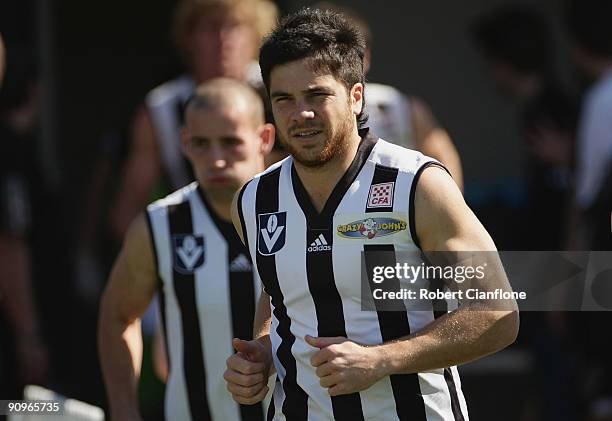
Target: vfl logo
271	228
188	252
381	195
371	227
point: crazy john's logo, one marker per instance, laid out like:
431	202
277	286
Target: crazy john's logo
371	227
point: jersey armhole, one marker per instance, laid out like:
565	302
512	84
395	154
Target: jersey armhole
411	210
245	237
154	247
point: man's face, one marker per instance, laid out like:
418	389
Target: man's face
224	147
221	45
314	114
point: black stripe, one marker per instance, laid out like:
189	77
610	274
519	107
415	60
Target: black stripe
448	374
161	293
415	180
330	314
295	405
271	408
242	299
394	324
325	218
452	388
241	293
184	287
245	236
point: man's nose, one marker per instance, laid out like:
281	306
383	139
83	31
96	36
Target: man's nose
216	157
303	111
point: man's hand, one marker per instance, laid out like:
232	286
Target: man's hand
247	371
344	366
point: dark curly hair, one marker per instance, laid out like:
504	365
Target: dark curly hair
329	41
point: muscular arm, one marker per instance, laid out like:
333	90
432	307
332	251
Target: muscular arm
433	140
128	293
445	223
141	173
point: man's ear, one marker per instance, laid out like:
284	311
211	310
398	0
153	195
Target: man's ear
266	134
357	98
185	141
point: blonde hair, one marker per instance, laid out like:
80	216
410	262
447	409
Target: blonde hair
261	14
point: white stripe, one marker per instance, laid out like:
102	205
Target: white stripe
362	327
214	312
176	404
323	241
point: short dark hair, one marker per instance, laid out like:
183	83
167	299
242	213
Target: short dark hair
589	25
330	42
517	35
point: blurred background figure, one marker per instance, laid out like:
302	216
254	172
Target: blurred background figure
398	118
516	43
591	35
23	354
517	46
215	38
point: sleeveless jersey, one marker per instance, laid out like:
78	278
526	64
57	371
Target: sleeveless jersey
309	264
208	293
389	114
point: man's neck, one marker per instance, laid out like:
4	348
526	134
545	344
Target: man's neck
319	182
222	209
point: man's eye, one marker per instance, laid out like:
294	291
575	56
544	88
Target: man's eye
199	143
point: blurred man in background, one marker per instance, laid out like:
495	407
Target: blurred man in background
591	34
185	248
517	46
216	38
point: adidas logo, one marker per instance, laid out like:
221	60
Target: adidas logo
320	244
240	264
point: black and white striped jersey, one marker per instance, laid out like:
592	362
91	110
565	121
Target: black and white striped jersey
310	265
208	293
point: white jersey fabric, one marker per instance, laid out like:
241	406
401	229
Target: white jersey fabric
309	264
208	293
389	114
594	148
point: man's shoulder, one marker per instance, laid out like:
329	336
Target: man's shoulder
405	160
175	89
378	92
177	197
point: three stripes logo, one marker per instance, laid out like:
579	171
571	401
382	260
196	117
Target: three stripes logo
320	244
240	264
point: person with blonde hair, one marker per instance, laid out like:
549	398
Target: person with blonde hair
215	38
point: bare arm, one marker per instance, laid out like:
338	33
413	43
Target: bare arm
160	355
433	140
445	223
141	173
128	293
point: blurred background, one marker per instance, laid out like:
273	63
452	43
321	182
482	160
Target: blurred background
504	78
